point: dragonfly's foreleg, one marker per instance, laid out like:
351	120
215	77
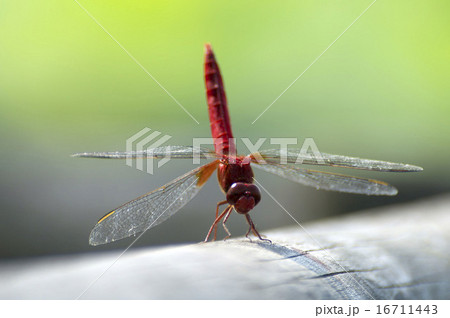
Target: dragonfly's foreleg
217	220
253	229
225	219
217	214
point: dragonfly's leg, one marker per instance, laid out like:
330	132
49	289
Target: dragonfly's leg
225	219
248	232
217	214
253	229
217	220
249	229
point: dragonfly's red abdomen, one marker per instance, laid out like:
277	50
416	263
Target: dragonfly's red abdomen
217	106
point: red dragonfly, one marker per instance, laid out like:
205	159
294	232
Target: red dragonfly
234	173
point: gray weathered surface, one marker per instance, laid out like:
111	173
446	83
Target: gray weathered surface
401	252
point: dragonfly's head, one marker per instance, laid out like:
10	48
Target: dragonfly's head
243	196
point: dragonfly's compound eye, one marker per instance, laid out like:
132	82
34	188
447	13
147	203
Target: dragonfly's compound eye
243	196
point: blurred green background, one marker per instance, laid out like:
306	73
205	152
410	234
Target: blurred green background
381	92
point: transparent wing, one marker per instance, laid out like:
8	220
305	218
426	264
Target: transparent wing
296	156
176	152
329	181
150	209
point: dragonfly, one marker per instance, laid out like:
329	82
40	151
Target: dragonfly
234	173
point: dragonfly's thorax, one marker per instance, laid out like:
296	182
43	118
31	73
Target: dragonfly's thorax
236	180
232	170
